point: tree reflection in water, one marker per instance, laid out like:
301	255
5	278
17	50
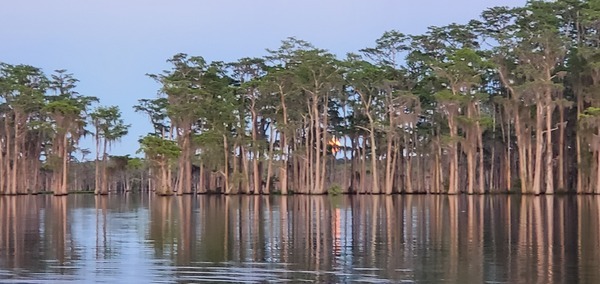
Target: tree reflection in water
538	239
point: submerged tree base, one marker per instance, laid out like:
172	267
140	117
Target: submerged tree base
307	194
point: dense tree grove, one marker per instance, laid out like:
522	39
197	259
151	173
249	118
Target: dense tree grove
506	103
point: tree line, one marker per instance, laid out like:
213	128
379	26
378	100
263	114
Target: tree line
42	120
504	103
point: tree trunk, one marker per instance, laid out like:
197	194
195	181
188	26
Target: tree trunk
318	189
470	152
8	184
453	175
374	174
256	178
324	142
479	133
98	185
13	177
202	179
438	166
65	167
578	142
245	171
522	148
309	162
2	167
508	159
408	184
597	188
561	149
283	176
104	183
184	180
270	161
539	144
226	188
549	146
363	166
389	166
165	183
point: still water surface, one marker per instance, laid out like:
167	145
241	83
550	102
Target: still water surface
341	239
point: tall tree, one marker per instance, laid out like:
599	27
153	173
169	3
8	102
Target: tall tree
248	72
184	91
109	127
23	89
68	111
319	78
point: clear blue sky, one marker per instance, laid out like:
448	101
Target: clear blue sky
109	45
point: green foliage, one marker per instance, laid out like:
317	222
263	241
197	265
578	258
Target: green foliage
589	118
64	107
120	162
156	109
466	121
446	140
446	96
486	122
590	112
23	87
135	164
109	124
183	87
389	49
159	149
335	190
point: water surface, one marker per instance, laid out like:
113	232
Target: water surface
341	239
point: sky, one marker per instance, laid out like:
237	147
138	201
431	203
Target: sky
110	45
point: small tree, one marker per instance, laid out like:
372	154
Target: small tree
110	127
161	152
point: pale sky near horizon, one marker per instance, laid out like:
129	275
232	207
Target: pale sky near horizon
109	45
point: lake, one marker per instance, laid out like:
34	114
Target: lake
333	239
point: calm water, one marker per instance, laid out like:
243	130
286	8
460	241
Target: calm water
258	239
